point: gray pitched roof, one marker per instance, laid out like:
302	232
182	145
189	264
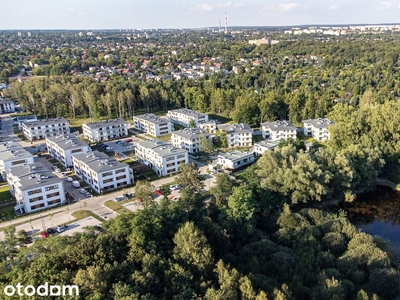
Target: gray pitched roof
105	123
188	112
266	143
234	155
67	142
13	151
99	161
279	125
161	148
152	118
191	133
44	122
232	128
319	123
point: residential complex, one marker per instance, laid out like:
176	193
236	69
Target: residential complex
210	126
41	129
237	135
35	188
278	130
102	172
189	138
11	155
234	160
152	124
62	147
262	146
6	106
317	128
105	130
183	116
162	157
22	119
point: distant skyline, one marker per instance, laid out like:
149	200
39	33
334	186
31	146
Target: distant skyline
139	14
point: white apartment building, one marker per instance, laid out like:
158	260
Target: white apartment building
41	129
262	146
278	130
105	130
11	155
162	157
152	124
6	106
317	128
22	119
62	147
210	126
182	116
189	138
234	160
102	172
35	188
237	135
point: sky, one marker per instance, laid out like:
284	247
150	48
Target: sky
147	14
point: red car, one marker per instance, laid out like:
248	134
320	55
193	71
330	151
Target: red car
44	234
158	192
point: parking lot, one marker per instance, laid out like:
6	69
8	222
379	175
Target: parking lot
79	225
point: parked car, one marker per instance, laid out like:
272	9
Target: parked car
58	170
82	191
76	184
129	196
50	230
44	234
158	192
59	229
174	187
70	179
118	199
87	194
109	148
128	140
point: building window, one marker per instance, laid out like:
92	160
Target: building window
53	195
106	174
33	207
119	171
54	201
120	177
49	188
34	192
36	199
108	180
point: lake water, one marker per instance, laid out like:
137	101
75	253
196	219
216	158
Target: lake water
377	213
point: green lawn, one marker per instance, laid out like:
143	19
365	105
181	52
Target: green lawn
81	214
117	206
165	138
5	194
257	138
7	213
222	119
147	175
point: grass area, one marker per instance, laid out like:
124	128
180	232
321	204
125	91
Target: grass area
147	175
81	214
305	138
165	138
222	119
117	206
5	194
7	213
257	138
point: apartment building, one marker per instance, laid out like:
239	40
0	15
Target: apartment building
105	130
24	119
62	147
317	128
189	138
11	155
262	146
237	135
210	126
35	188
101	172
152	124
278	130
163	158
6	106
234	160
41	129
183	117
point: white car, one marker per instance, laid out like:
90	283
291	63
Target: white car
109	148
59	228
174	187
57	170
82	191
70	179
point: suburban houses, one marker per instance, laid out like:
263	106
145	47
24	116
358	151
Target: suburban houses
278	130
317	128
233	160
35	187
163	158
260	147
102	172
11	155
41	129
189	138
237	135
183	117
105	130
62	147
152	124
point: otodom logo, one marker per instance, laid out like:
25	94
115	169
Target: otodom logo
42	290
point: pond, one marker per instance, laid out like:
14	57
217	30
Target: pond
377	213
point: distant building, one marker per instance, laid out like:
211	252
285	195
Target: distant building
237	135
38	130
317	128
234	160
35	188
22	119
6	106
162	157
183	116
262	146
210	126
105	130
278	130
11	155
62	147
102	172
189	138
152	124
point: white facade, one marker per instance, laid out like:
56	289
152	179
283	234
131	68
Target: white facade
105	130
24	119
152	124
234	160
189	138
11	155
162	157
317	128
210	126
62	147
237	135
278	130
183	116
6	106
262	146
41	129
35	188
102	172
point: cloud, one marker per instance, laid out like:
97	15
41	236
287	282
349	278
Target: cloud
382	6
284	7
334	7
209	7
